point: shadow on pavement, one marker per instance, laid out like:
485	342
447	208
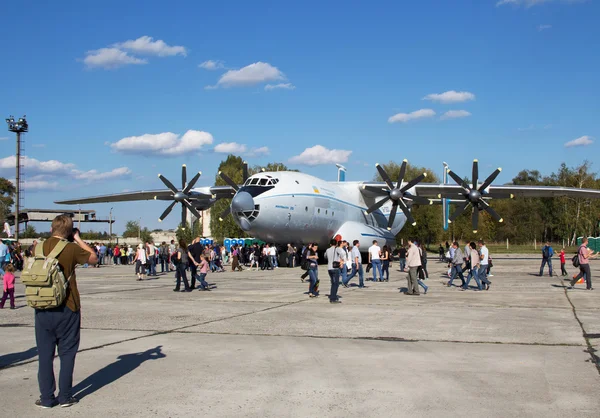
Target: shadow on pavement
125	364
8	359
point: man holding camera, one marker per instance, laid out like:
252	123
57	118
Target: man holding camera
60	327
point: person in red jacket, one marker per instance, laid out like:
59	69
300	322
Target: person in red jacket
563	270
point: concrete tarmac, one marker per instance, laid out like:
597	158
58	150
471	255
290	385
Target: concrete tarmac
257	346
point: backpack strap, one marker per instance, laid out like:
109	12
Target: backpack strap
58	248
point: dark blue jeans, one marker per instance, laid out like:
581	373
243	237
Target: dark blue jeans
457	271
334	275
201	279
544	261
313	272
385	269
359	270
59	327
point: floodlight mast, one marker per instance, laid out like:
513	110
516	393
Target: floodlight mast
20	126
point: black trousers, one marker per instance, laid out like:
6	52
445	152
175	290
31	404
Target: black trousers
181	275
584	269
193	272
59	327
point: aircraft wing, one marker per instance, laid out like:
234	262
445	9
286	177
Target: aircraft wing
435	191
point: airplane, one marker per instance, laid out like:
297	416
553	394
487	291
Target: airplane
291	207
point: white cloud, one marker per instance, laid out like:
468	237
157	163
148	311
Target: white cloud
212	65
231	148
259	72
450	96
318	155
580	142
39	185
146	45
166	143
4	138
531	3
94	175
285	86
541	28
417	114
118	55
259	151
34	167
110	58
455	114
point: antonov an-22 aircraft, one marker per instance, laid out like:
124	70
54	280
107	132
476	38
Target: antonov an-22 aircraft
291	207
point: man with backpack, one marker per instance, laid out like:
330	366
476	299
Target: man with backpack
582	259
547	253
60	326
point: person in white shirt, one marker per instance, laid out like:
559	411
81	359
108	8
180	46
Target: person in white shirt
356	261
485	259
273	257
375	260
413	262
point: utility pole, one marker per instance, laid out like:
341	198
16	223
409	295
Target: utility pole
18	127
110	225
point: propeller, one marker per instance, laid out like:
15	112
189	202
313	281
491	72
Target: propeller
181	196
233	184
473	196
398	194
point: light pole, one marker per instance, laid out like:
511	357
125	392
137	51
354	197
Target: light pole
110	225
17	127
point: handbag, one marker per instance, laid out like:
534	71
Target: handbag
336	264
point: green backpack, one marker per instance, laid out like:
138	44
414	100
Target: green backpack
45	283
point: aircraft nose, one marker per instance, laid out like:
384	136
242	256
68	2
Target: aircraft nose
242	202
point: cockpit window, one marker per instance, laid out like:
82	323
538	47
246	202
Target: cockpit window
254	181
263	182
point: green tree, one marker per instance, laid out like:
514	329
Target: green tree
7	192
188	234
29	232
132	230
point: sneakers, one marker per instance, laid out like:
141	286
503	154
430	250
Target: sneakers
70	402
39	404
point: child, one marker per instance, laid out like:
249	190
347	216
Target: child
203	268
9	286
563	270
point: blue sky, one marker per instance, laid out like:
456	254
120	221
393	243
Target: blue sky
519	78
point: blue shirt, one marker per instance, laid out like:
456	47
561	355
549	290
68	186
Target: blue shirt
3	251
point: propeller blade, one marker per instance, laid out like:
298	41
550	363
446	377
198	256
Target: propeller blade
407	213
475	219
458	180
229	181
379	190
183	176
183	217
490	179
414	182
192	183
459	211
392	217
377	205
192	209
475	173
384	176
225	213
167	211
491	211
168	183
419	200
245	171
402	173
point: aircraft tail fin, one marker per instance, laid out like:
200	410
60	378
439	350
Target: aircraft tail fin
341	173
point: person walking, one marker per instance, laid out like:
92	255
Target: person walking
584	254
484	257
375	260
140	260
8	286
547	253
203	269
356	260
194	256
60	327
474	264
457	262
563	270
312	257
335	261
413	262
181	266
235	259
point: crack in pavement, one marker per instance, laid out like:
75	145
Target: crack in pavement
590	348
